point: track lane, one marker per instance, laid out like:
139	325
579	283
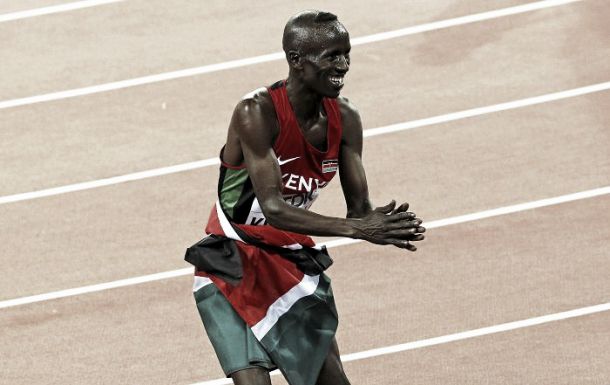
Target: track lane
104	330
561	353
455	220
155	37
24	5
461	281
133	129
143	227
367	133
52	9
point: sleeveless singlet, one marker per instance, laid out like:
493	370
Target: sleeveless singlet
305	169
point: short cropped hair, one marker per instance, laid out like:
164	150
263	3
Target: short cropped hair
322	17
300	28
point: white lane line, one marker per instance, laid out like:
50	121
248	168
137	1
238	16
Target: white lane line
495	212
460	21
109	181
489	109
479	332
54	9
279	55
95	288
335	243
509	326
367	133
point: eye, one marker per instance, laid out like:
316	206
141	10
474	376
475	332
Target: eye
333	56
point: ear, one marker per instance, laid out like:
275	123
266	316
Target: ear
294	59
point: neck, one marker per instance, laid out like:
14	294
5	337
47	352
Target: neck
306	103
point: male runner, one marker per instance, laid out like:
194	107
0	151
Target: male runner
262	294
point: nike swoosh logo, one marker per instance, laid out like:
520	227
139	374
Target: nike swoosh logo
281	162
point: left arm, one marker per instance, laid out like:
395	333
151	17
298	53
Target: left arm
353	178
351	170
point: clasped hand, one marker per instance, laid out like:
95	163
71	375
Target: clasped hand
391	225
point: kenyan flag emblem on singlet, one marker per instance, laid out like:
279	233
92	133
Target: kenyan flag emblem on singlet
330	165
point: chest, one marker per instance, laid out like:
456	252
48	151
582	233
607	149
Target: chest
316	133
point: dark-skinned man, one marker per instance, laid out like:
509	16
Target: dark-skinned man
260	285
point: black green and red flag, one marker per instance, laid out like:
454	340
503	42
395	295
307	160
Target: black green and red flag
292	314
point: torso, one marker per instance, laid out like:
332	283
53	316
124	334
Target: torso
308	160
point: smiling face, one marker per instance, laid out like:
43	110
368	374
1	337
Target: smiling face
317	47
325	65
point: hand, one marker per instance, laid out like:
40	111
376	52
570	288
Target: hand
390	225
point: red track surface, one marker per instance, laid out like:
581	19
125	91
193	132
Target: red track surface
463	277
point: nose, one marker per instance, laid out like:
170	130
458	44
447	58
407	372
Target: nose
342	64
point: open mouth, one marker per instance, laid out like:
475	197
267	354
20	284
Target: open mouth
336	81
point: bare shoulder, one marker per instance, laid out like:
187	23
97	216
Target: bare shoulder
348	109
352	124
255	107
259	96
253	125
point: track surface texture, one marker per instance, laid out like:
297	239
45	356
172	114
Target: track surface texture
464	276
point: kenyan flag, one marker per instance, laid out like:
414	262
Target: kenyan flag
292	314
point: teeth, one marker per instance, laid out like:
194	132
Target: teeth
337	79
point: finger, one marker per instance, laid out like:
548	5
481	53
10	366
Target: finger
387	208
401	243
404	224
404	234
402	208
417	237
402	216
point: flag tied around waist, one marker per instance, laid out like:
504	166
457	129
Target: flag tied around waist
275	282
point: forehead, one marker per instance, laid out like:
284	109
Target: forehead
324	37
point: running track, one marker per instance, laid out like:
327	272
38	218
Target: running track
466	276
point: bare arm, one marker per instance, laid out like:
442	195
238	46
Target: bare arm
351	170
354	183
251	121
